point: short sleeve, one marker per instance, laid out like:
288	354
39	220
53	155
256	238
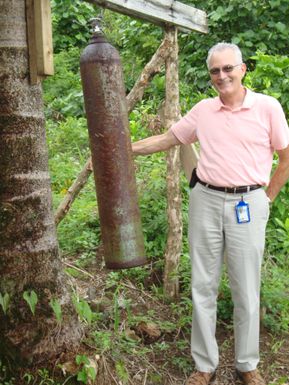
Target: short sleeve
185	129
279	126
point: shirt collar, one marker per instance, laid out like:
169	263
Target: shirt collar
247	103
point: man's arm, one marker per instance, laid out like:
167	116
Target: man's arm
281	174
155	143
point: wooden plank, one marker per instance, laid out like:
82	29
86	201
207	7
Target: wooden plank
160	12
171	115
31	40
43	31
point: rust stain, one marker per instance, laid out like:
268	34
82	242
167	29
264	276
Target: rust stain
107	119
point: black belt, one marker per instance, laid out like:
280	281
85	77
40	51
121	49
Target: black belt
231	190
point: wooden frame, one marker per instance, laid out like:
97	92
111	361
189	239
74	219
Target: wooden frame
39	36
160	12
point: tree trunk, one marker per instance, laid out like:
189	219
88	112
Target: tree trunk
171	115
29	258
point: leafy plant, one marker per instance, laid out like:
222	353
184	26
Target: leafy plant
32	299
56	307
87	369
70	23
122	372
103	340
83	309
4	302
275	297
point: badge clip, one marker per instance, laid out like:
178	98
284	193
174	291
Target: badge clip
242	211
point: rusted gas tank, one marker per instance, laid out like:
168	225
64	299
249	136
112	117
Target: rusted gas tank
107	118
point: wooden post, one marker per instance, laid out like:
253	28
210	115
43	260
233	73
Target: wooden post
43	28
73	191
39	36
175	228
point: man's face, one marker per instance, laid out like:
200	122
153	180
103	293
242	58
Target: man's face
228	84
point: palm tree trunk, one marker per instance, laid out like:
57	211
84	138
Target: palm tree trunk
29	257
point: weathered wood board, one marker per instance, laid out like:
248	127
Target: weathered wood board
39	35
160	12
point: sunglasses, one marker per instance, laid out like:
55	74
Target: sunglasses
227	68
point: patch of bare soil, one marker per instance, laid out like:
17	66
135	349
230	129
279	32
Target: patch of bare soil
146	344
160	355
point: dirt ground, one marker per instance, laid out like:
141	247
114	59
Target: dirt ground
156	368
160	353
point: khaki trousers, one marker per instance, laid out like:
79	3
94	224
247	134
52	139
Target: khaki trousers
212	229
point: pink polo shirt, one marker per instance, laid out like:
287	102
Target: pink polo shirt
236	146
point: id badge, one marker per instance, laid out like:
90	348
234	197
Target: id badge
242	212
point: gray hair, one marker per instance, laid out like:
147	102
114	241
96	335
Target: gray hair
222	47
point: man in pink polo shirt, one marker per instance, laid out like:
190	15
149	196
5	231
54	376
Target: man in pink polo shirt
238	132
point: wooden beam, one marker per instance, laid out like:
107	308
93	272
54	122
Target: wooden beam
39	36
174	207
43	29
160	12
31	40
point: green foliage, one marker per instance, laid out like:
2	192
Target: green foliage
44	377
122	372
270	77
103	341
278	240
63	92
56	307
253	25
87	370
70	21
275	297
31	298
40	377
83	309
130	37
224	303
152	190
4	302
69	137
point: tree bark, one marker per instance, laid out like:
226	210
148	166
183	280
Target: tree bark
175	227
29	258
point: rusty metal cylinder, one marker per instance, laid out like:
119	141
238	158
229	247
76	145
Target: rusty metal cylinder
110	144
